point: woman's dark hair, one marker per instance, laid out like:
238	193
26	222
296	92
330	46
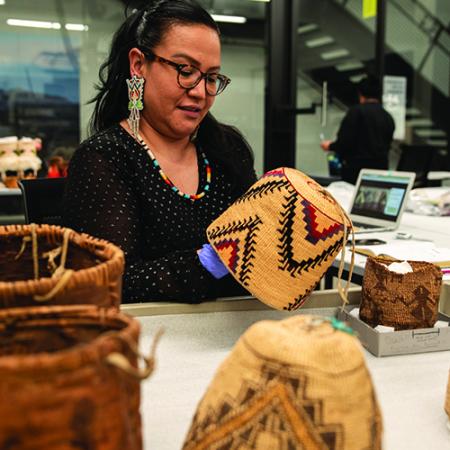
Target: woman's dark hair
144	29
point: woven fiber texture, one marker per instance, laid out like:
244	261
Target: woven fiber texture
280	237
298	383
58	391
35	269
403	301
447	399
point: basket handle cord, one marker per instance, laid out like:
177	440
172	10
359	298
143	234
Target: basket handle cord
343	291
34	249
119	360
60	272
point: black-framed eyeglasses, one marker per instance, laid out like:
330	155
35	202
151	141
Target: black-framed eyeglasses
190	76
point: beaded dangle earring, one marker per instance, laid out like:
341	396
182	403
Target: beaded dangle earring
135	103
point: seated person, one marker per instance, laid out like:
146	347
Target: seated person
159	168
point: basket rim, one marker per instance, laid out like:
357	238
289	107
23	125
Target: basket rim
114	265
74	357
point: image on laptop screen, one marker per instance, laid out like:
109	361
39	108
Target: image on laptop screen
380	196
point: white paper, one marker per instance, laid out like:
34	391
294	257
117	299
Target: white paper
411	250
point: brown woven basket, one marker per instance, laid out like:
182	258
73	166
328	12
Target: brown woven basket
403	301
69	379
46	263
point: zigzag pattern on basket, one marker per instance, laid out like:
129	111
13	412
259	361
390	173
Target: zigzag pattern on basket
298	302
263	189
274	173
234	257
314	235
282	410
287	260
234	227
248	226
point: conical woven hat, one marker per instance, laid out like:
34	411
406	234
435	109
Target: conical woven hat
280	237
299	383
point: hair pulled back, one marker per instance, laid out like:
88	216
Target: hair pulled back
144	29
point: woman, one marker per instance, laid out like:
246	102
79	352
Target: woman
159	168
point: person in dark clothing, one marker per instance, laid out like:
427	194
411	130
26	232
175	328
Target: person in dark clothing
159	167
365	135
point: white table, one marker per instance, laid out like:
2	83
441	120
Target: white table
411	389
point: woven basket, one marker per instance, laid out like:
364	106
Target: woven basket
403	301
280	237
300	383
63	383
57	266
447	400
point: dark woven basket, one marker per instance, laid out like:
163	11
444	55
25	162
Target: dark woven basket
57	266
403	301
61	385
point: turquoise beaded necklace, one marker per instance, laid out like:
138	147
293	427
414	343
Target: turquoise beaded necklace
169	182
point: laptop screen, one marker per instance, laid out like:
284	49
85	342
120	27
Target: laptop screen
380	196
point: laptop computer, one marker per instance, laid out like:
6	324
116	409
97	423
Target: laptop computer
380	199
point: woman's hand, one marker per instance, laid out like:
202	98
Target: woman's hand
211	261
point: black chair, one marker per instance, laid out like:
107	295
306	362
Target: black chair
418	159
43	200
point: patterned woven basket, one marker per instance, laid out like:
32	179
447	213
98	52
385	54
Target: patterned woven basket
46	263
403	301
69	379
280	237
299	383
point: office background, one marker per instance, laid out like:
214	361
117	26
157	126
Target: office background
48	70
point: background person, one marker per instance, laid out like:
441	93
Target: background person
159	168
365	135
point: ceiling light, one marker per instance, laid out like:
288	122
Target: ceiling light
2	2
33	24
229	19
76	27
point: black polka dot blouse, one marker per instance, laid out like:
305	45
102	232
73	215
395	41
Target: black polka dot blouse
115	193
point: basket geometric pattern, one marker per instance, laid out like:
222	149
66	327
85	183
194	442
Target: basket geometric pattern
280	237
403	301
292	384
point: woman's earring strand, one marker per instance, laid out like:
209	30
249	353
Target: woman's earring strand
135	103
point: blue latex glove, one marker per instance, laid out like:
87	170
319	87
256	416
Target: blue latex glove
211	261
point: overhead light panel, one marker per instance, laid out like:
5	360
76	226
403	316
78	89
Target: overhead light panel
76	27
33	24
2	2
46	25
229	19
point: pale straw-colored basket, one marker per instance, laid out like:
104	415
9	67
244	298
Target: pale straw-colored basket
299	383
47	264
280	237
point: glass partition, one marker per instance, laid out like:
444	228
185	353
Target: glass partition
51	52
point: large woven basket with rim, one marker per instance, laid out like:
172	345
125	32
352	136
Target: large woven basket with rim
280	237
69	379
46	264
299	383
403	301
